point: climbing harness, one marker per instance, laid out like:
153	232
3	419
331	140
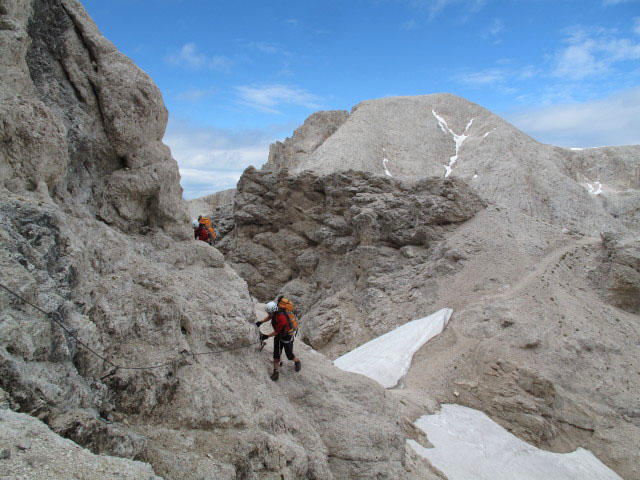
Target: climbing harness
115	366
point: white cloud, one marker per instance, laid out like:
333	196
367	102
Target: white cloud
189	57
267	98
212	159
636	25
500	77
198	183
496	28
195	94
611	121
434	7
483	77
269	48
593	52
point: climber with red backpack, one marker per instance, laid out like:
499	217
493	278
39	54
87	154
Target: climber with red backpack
199	232
205	227
285	327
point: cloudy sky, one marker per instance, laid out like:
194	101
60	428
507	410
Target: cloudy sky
238	75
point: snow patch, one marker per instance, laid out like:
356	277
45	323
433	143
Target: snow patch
486	134
458	139
387	359
594	188
587	148
468	444
385	160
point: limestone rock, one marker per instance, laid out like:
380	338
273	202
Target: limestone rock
40	453
81	123
618	274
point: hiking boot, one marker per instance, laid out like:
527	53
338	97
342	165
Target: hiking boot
275	375
298	366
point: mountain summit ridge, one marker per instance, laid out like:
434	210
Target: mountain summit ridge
441	134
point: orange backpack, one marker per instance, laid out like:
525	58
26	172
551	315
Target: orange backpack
286	306
208	224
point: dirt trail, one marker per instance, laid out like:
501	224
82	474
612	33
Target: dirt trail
550	258
541	267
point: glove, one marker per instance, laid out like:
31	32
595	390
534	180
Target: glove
263	337
258	324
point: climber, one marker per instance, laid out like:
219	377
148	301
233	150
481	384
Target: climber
284	329
199	232
208	226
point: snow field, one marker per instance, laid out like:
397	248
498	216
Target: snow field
387	359
469	445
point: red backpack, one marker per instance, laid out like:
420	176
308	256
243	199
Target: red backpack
286	306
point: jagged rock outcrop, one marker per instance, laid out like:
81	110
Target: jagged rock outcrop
348	247
93	230
81	123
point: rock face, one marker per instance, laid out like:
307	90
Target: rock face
349	247
81	123
618	271
36	452
94	232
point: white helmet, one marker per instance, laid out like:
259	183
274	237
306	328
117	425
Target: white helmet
272	307
194	223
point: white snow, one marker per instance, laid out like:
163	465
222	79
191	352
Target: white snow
384	162
486	134
469	445
586	148
387	359
458	139
594	188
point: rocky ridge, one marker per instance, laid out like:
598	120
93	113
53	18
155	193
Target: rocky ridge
423	136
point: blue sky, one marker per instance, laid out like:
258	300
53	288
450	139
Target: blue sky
237	76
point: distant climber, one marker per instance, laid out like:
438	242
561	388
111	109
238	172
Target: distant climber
205	224
199	232
285	326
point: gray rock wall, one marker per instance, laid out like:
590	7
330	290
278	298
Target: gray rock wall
81	123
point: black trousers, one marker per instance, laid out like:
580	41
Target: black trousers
283	342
